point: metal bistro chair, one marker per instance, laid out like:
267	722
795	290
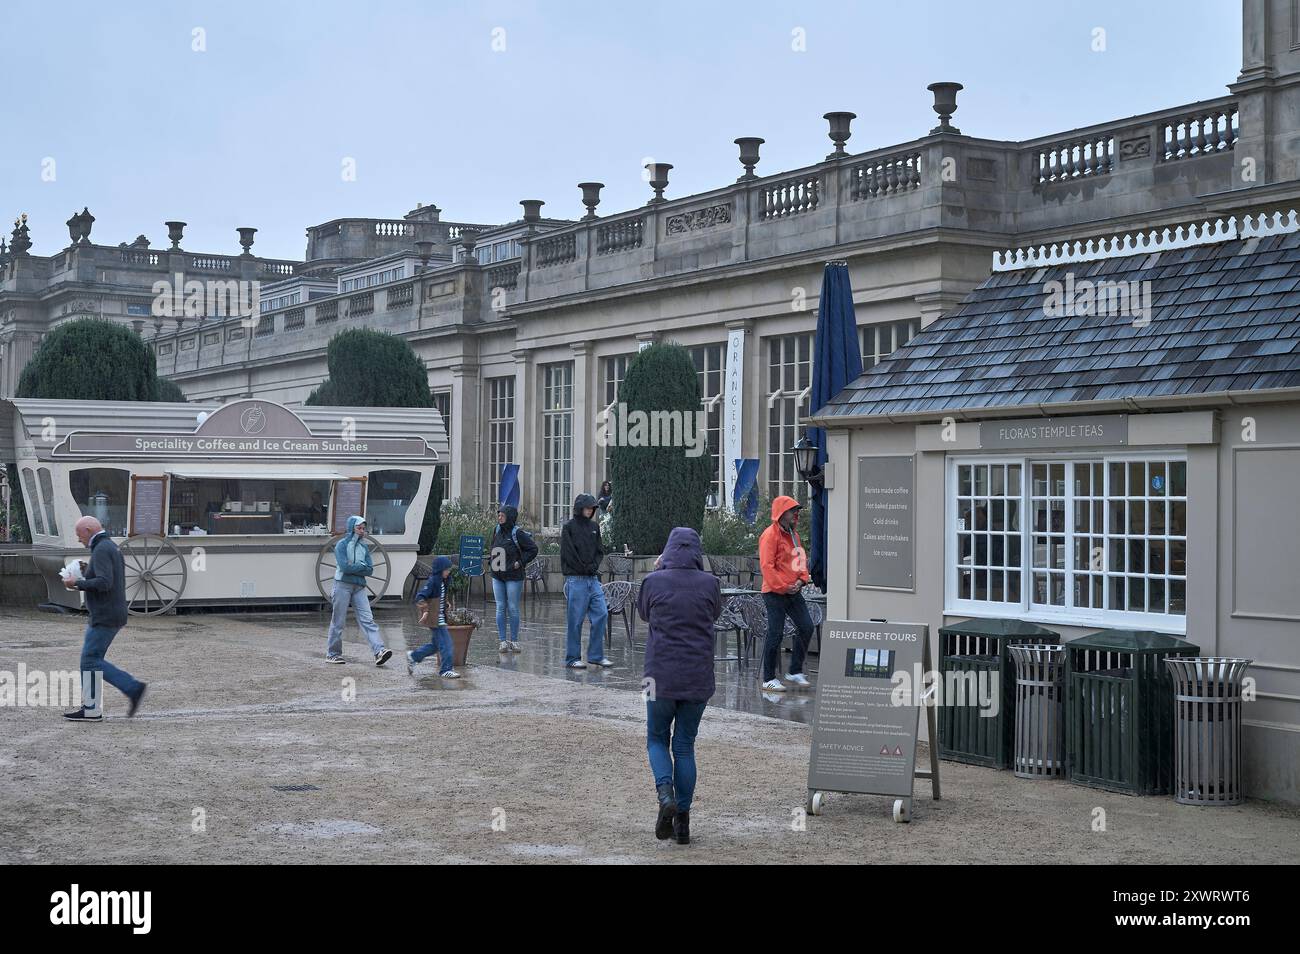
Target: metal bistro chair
619	566
755	570
620	598
724	569
754	613
816	613
733	621
535	573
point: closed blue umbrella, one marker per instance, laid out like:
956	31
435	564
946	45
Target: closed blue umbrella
837	361
745	501
509	493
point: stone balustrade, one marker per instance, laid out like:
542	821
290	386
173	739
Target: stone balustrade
296	318
505	276
1197	134
327	311
790	197
391	229
145	257
883	176
399	297
210	263
1089	156
556	250
620	236
361	305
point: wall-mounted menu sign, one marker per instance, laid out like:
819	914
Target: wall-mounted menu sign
349	500
148	501
886	521
1056	432
864	726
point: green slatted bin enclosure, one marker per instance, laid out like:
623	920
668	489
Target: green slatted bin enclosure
1120	710
976	651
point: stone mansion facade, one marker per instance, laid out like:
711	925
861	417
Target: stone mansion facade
526	328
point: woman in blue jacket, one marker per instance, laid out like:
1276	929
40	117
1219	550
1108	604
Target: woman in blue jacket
432	600
681	602
352	566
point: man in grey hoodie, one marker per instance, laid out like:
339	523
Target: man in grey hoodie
352	566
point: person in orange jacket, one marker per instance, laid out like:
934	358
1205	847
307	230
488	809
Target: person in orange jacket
785	571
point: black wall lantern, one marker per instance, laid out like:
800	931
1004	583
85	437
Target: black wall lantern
805	462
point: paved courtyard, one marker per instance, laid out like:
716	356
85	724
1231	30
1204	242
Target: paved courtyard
250	749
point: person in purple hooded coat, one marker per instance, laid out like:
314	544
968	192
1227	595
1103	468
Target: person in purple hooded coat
680	601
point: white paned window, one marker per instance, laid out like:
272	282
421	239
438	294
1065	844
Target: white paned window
501	431
879	341
789	388
557	443
1090	541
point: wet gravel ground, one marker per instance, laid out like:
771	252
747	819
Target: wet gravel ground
250	749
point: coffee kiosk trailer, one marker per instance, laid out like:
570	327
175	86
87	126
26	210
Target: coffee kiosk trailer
237	504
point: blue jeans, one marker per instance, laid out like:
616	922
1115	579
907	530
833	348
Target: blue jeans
440	643
356	596
507	594
93	649
584	596
679	766
779	606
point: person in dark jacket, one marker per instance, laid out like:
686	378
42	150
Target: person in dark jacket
432	601
104	583
512	550
606	497
681	602
580	556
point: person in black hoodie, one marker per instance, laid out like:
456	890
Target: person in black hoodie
580	556
512	550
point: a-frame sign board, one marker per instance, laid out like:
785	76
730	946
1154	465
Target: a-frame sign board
864	721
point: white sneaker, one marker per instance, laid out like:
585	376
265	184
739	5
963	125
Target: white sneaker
504	648
604	662
577	664
410	663
514	647
451	674
798	679
773	685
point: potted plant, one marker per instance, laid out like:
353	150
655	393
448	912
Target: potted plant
461	623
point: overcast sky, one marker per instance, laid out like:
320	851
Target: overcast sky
474	106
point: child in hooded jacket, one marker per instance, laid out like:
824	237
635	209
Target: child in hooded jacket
432	601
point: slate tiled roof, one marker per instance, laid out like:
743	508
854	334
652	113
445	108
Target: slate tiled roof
1224	317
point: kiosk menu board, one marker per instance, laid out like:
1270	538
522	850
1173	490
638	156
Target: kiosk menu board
148	500
349	499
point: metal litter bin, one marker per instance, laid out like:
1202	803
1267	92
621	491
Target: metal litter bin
1120	721
1040	711
972	651
1207	733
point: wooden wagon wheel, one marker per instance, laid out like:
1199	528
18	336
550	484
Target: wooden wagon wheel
376	584
155	574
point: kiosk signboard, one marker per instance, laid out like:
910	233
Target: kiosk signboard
864	726
886	521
